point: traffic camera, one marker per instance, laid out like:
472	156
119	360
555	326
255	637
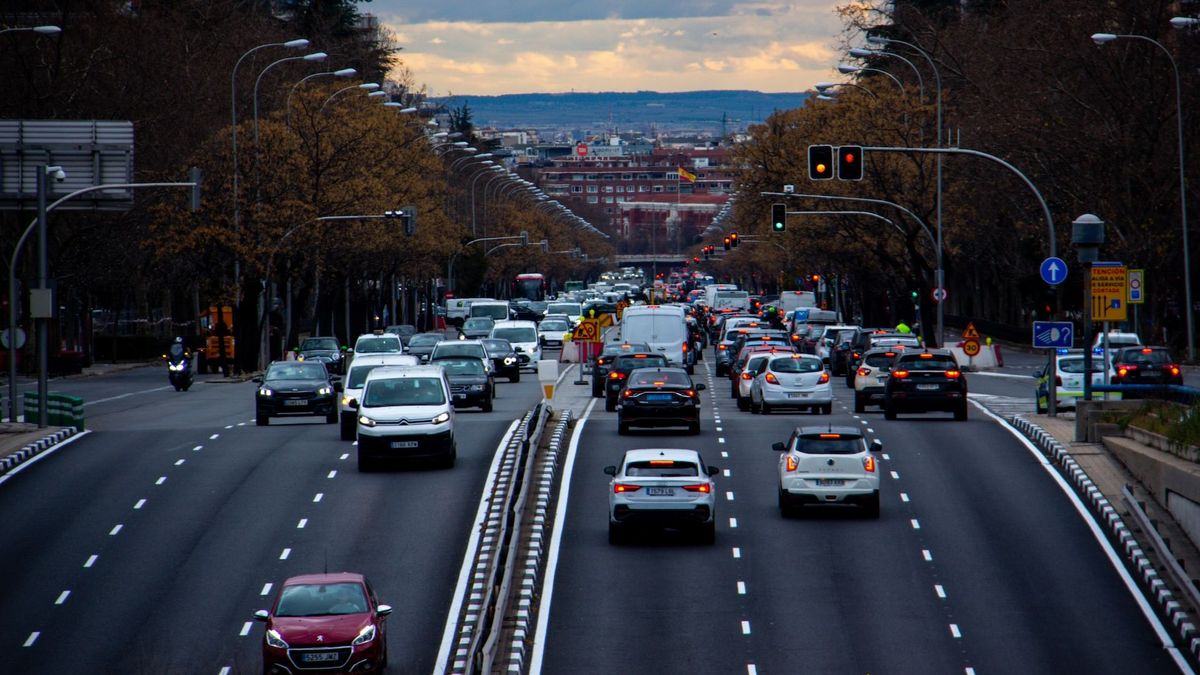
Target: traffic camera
820	162
778	217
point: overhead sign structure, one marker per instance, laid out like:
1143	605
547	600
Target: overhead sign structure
1053	271
1137	287
1053	334
90	152
1110	287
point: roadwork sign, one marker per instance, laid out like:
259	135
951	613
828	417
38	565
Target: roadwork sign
588	330
971	347
970	333
1110	288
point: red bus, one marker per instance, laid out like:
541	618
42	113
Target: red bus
530	286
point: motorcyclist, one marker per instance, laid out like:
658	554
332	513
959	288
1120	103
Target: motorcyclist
178	351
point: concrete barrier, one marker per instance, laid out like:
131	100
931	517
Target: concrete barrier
986	358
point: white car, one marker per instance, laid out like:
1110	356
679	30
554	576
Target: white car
523	336
352	386
662	487
828	465
745	379
871	376
551	332
792	381
1069	371
406	412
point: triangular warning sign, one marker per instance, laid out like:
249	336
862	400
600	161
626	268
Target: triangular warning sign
970	333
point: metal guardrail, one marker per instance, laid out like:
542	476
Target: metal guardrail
1170	392
1174	570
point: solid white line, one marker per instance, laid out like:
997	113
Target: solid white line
1007	375
1113	558
904	497
197	448
941	592
332	473
737	552
246	628
733	522
741	588
62	597
955	631
728	496
161	480
132	393
927	555
751	670
300	525
180	462
468	561
31	639
225	671
91	560
345	455
39	457
113	532
284	555
318	497
916	525
214	437
266	588
969	671
745	628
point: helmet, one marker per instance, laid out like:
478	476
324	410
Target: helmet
179	340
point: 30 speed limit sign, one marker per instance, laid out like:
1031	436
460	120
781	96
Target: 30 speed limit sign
971	348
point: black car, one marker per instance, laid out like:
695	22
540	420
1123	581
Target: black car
322	350
603	361
614	382
404	330
841	355
295	388
471	384
505	361
923	381
421	345
1145	365
659	397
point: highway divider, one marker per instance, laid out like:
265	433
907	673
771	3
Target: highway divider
62	410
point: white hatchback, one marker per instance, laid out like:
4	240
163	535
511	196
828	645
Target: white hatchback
792	381
662	487
828	465
523	336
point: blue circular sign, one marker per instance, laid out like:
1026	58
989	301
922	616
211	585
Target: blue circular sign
1053	271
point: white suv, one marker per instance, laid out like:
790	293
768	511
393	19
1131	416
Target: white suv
828	465
523	336
352	386
405	412
658	487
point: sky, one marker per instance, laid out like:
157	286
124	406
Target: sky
481	47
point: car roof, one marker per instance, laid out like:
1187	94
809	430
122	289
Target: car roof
516	323
663	369
329	578
811	431
376	335
390	359
647	454
928	350
459	342
387	372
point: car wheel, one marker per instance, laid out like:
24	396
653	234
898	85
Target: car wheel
691	370
708	533
597	392
960	413
262	419
733	389
743	404
487	405
610	404
889	413
871	506
859	403
448	462
616	533
764	408
178	388
849	381
694	428
827	409
331	418
785	505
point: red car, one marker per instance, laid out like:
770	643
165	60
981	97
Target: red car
331	623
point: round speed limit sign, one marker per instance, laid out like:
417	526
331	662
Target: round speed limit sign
971	348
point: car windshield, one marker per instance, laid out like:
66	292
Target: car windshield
517	334
377	345
836	445
321	600
459	349
658	378
879	360
553	325
627	348
479	322
790	365
935	363
1145	357
426	340
404	391
662	468
358	375
568	308
628	362
1072	366
892	341
403	330
319	343
461	366
497	347
296	371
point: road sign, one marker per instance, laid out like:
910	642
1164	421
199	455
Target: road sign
1053	334
971	347
1053	271
970	333
939	295
588	330
800	315
1109	290
581	149
1137	287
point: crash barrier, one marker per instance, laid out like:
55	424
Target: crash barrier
1167	392
481	616
61	410
988	357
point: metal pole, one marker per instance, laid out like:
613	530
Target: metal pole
1087	331
43	280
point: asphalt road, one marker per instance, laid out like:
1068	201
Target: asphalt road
979	563
146	546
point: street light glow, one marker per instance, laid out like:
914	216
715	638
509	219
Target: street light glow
315	56
47	30
1102	38
298	43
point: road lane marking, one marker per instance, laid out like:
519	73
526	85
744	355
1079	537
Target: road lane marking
241	424
733	522
91	560
246	628
725	473
225	671
895	476
300	525
886	457
140	503
113	532
870	430
332	473
741	587
941	592
737	552
286	552
751	670
927	555
43	455
214	437
319	496
180	462
345	455
228	426
955	631
863	422
916	525
197	448
745	628
720	440
32	638
728	496
161	480
724	455
904	497
266	588
132	393
62	597
720	429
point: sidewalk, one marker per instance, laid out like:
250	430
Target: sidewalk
20	442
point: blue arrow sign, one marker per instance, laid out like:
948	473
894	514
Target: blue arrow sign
1053	271
1053	334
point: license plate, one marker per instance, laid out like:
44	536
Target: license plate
404	444
830	482
798	394
321	657
660	492
658	397
295	402
927	387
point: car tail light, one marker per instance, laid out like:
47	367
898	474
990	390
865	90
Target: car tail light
791	463
1123	371
1173	369
953	374
869	464
628	393
690	393
747	376
699	487
795	338
900	374
616	375
863	372
625	487
1147	351
685	348
824	377
772	379
722	348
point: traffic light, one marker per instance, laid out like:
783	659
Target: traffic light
820	162
733	239
778	217
816	278
727	243
849	162
914	296
407	218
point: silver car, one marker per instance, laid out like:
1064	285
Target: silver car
662	487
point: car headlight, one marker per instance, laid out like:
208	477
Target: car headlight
264	391
366	421
477	387
442	418
275	640
324	391
365	635
509	360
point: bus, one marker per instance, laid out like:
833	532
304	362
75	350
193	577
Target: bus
530	286
572	286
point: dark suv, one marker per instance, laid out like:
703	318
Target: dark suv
1145	365
921	381
621	367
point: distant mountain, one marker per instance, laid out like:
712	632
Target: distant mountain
627	111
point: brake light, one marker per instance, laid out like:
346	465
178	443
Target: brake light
685	348
824	377
795	338
1124	370
662	462
863	372
639	356
772	379
1147	351
890	354
899	374
625	487
722	348
616	375
1174	369
699	487
869	464
927	355
627	393
953	374
690	393
832	436
747	376
791	463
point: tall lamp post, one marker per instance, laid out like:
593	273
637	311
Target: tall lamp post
313	57
40	30
1105	38
344	72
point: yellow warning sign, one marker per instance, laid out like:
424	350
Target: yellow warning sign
588	330
970	333
605	319
1109	291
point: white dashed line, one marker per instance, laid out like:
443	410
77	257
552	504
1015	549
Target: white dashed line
720	429
113	532
927	555
62	597
904	497
228	426
332	473
31	639
955	631
725	473
733	522
886	457
266	588
91	560
140	503
226	670
741	588
246	628
285	554
720	440
745	628
161	480
344	456
941	592
241	424
300	525
319	496
728	496
724	455
355	444
895	476
870	430
863	422
915	524
751	670
214	437
737	552
969	671
180	462
197	448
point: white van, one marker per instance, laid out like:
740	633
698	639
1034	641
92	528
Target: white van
662	327
790	300
739	300
523	336
496	310
458	309
710	292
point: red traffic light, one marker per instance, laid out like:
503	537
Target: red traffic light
727	243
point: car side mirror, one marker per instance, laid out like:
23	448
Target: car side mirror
778	447
257	380
352	404
383	610
700	386
261	615
610	470
876	445
712	471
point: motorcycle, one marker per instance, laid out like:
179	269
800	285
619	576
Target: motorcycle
179	368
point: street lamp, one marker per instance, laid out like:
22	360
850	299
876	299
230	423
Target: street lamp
847	69
1185	22
344	72
1104	38
496	170
366	86
313	57
860	53
40	30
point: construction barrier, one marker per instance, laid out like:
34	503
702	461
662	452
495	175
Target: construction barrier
61	410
